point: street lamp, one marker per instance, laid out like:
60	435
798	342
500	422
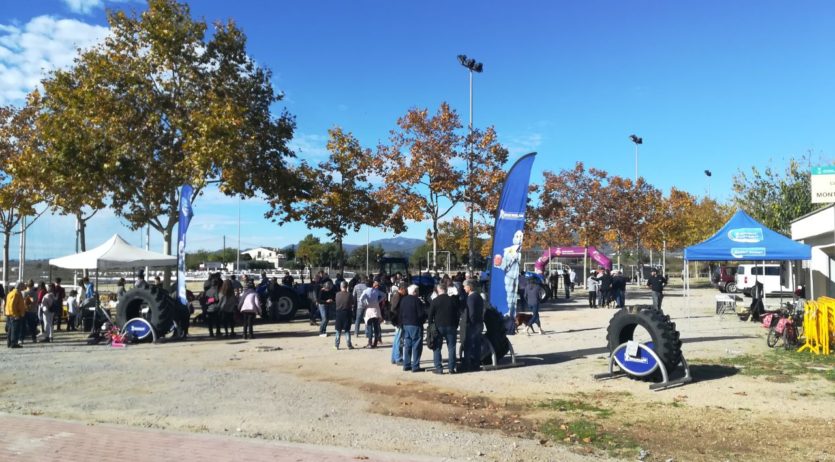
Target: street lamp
638	141
635	139
708	174
472	66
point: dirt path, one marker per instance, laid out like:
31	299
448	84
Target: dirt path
551	409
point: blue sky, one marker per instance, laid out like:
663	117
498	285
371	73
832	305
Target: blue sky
708	85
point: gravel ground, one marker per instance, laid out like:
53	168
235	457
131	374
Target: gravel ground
290	385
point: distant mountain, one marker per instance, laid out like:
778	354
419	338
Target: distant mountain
406	245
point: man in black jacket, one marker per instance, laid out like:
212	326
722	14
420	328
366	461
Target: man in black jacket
656	283
605	289
394	317
412	316
475	325
443	312
619	289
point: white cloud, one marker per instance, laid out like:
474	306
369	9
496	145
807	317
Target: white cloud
83	6
524	144
309	147
87	6
45	43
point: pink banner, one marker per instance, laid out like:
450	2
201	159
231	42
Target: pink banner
571	252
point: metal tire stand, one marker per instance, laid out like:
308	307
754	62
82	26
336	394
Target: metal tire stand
665	382
494	363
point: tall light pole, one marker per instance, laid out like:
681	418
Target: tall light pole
638	141
472	66
708	174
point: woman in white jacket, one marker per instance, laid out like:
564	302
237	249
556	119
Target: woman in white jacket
249	306
592	283
46	307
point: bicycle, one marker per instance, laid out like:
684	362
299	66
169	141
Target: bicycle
786	328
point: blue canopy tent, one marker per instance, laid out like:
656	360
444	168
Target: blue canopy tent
745	239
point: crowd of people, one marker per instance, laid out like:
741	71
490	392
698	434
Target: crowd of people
394	300
454	303
34	312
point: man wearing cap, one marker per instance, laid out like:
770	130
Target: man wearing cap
656	283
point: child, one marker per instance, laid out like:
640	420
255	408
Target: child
72	310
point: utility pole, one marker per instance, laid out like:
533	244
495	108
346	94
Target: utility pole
367	250
147	247
238	262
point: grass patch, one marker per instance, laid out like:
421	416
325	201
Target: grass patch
779	365
574	405
589	434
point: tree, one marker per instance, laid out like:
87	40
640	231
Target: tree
483	184
672	222
18	196
69	170
357	257
573	205
772	197
339	197
166	107
629	208
309	250
421	167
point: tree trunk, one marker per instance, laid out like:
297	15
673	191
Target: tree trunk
434	245
340	255
82	238
6	238
167	234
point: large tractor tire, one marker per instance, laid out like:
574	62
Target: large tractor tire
665	338
155	306
496	334
284	304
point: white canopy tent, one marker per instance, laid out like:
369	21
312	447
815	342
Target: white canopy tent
114	253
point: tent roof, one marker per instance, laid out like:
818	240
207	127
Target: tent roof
745	239
114	253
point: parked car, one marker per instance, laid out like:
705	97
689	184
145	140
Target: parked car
775	280
724	279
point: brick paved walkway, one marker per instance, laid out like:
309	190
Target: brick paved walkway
40	439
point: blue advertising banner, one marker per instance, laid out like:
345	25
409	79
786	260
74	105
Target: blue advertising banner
185	218
508	236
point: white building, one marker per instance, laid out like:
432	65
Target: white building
817	229
267	254
211	266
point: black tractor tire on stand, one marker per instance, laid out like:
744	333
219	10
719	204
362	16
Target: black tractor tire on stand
496	334
163	311
665	338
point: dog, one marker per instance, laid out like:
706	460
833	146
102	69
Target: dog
526	318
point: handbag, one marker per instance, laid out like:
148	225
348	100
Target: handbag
433	337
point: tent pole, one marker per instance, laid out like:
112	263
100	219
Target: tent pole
96	297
